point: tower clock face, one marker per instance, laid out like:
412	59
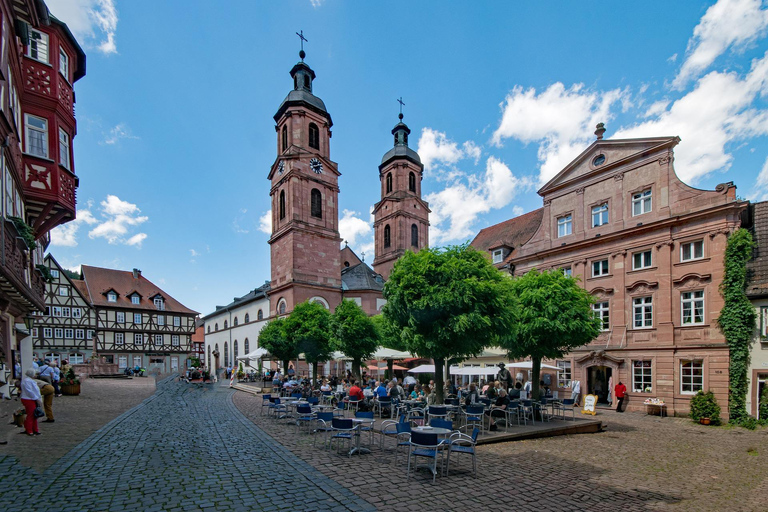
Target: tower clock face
281	167
316	165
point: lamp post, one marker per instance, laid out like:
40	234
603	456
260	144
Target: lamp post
29	323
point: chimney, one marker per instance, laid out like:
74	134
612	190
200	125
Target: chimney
136	273
600	130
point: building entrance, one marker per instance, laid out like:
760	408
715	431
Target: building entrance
762	379
598	378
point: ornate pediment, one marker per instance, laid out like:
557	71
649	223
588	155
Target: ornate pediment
642	286
601	292
599	358
692	280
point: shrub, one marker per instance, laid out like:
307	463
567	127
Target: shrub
704	405
764	404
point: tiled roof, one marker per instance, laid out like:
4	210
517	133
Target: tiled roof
510	233
80	285
258	293
361	277
757	269
101	280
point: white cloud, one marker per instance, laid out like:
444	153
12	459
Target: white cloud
760	190
517	211
656	108
731	24
472	150
118	133
672	58
356	231
560	120
456	208
65	235
265	222
194	253
316	3
117	217
93	22
435	148
719	110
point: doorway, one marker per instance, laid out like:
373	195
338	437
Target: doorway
598	378
761	383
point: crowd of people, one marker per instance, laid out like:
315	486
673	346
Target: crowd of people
39	385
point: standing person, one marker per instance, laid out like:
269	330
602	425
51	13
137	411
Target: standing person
31	398
56	377
575	391
47	392
610	390
621	391
409	382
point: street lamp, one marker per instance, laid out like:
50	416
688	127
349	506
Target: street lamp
29	323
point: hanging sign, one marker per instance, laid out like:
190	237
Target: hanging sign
590	402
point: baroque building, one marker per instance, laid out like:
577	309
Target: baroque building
650	249
40	61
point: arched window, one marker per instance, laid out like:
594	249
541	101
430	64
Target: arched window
389	183
387	237
216	326
414	235
284	137
314	136
209	329
234	348
405	138
260	315
412	182
234	322
247	318
281	308
226	354
226	325
282	204
307	83
317	204
296	81
209	356
246	347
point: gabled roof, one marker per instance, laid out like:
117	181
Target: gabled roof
78	284
510	233
361	277
102	280
259	293
757	268
637	147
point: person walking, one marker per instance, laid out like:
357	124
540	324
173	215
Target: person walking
620	392
575	391
30	398
47	392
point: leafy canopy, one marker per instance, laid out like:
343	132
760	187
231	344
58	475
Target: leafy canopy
309	327
275	340
353	333
387	332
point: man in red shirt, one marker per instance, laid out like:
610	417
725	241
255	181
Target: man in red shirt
355	392
620	391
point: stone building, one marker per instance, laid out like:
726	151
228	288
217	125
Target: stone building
757	291
650	249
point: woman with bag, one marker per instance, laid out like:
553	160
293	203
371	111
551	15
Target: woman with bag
31	399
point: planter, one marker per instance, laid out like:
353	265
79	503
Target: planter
70	389
704	421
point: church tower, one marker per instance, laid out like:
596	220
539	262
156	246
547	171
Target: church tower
401	218
305	240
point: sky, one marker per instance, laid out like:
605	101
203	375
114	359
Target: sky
176	137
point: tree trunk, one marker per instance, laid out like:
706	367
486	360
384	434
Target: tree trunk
439	381
356	369
390	368
535	377
285	367
314	372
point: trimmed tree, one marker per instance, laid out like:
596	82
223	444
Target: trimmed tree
309	327
389	337
555	316
274	339
353	333
448	303
737	320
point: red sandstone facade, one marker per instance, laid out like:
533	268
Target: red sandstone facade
650	249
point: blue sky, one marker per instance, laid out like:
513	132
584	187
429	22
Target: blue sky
176	136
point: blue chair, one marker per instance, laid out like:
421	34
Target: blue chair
461	443
352	402
323	424
296	395
425	446
403	437
366	427
474	416
543	407
388	428
440	423
382	403
527	408
313	400
304	416
327	397
264	403
437	412
567	405
416	415
342	429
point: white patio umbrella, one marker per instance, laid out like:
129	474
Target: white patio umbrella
528	365
474	370
424	368
388	353
256	354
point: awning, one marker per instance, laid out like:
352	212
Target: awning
256	354
423	368
474	370
528	365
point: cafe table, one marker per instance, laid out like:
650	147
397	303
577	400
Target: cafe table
358	422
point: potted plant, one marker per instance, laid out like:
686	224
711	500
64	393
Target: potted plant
704	408
70	384
25	232
240	372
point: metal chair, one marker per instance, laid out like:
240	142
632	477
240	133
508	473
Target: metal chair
567	405
416	415
388	428
542	407
264	403
461	443
438	412
323	424
527	408
366	427
441	423
403	437
352	402
342	429
474	416
304	416
382	403
426	446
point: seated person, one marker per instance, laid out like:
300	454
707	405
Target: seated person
493	390
367	391
381	390
325	386
355	392
515	393
416	393
472	396
499	409
430	395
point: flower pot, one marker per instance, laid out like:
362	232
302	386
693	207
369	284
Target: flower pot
704	421
70	389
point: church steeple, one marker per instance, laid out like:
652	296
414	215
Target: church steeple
401	132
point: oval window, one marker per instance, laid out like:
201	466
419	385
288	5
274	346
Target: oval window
599	160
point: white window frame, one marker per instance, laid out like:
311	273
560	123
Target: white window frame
137	361
176	321
111	297
175	341
120	317
122	362
69	333
119	338
76	358
159	303
158	340
568	271
688	378
642	376
56	310
600	215
691	246
565	225
77	313
564	376
65	312
603	270
89	334
64	149
602	310
63	291
160	319
64	63
498	255
28	148
47	332
135	299
137	318
138	339
54	273
79	334
693	300
58	332
644	258
38	47
642	200
644	306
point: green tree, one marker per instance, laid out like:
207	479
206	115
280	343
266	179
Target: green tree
353	333
448	303
309	328
274	339
389	337
555	316
737	320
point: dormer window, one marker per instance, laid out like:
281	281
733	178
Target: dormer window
498	255
159	303
111	297
135	299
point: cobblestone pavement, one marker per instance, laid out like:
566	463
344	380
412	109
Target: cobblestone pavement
640	463
185	448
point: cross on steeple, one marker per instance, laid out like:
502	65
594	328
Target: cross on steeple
363	255
303	40
400	101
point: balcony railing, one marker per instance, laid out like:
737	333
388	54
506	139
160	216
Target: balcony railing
18	279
